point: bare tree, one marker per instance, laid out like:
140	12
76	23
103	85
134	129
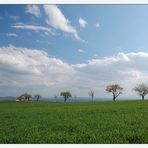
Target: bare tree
55	97
66	95
37	96
142	90
91	93
74	97
115	89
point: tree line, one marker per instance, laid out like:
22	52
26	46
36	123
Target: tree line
114	89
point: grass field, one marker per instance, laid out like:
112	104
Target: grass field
77	122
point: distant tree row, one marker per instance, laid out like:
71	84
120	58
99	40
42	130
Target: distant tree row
27	97
115	89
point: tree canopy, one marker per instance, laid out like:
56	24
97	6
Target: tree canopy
25	97
115	89
66	95
142	90
37	96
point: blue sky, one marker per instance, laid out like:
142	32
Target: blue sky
122	27
93	45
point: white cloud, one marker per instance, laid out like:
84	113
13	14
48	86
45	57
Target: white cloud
81	50
32	27
97	25
11	35
95	55
125	69
47	33
57	20
15	18
82	22
34	71
34	10
121	57
31	69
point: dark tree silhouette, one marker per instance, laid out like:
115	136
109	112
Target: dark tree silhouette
66	95
142	90
115	89
91	93
37	96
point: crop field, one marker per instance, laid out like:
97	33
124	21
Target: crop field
74	122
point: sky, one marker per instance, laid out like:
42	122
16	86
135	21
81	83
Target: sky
47	49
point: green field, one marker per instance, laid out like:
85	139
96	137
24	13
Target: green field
77	122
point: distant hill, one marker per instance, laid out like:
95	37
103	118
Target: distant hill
78	99
8	98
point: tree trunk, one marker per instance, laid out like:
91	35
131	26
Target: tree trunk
65	99
92	99
142	97
114	97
